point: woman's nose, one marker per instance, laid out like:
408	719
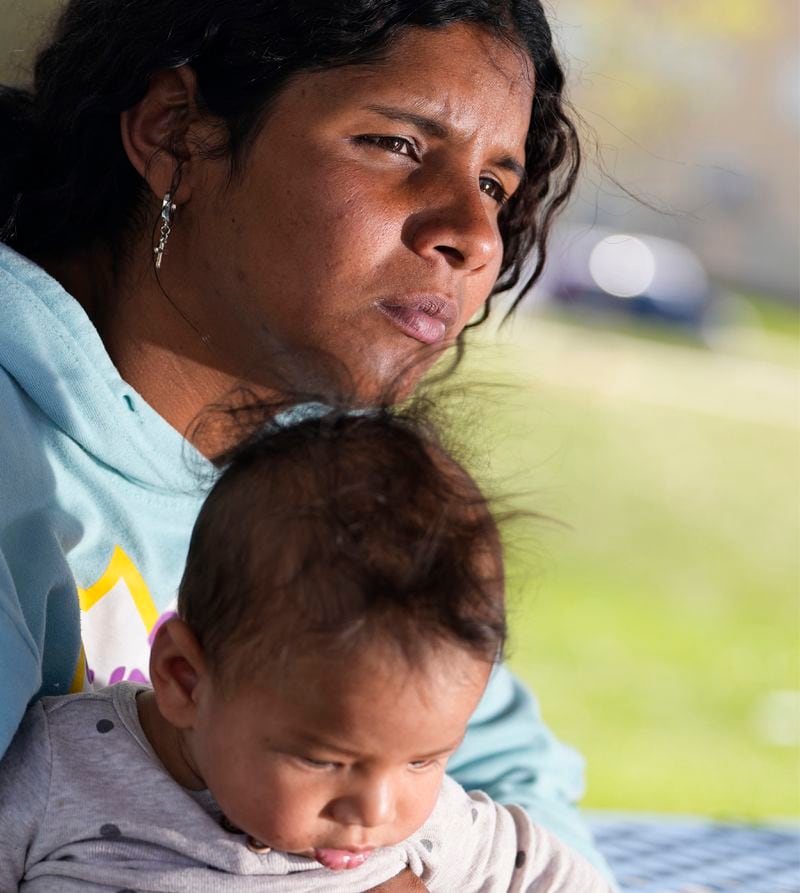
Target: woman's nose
458	226
370	806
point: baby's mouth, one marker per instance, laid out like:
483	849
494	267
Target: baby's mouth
339	860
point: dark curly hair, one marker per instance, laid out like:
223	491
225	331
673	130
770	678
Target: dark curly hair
333	528
65	180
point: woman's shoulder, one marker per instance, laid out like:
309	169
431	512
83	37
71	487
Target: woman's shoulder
23	467
16	267
32	338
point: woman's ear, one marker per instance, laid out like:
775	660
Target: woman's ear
177	670
154	132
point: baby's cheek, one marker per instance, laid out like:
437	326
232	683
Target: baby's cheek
418	804
289	815
248	801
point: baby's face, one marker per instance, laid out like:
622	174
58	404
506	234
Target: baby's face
336	759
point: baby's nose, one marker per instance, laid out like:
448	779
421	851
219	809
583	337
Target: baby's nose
373	804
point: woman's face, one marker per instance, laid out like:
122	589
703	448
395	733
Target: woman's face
364	223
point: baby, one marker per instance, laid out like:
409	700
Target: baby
338	619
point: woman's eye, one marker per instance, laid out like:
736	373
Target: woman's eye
493	189
397	145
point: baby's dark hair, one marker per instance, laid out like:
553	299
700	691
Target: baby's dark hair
335	530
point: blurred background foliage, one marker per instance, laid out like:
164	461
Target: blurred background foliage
660	625
658	620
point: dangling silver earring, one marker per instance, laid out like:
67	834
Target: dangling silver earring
167	210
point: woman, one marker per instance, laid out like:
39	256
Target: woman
198	195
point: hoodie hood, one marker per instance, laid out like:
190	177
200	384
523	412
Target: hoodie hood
50	347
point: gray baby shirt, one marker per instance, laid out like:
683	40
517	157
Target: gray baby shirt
86	806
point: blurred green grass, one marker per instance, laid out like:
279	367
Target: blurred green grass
656	619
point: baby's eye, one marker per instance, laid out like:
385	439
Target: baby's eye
319	764
421	764
493	189
397	145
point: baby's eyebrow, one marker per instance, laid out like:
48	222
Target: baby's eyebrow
442	750
309	738
313	740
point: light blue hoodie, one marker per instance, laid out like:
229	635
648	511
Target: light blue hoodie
98	493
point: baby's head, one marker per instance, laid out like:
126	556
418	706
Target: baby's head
340	612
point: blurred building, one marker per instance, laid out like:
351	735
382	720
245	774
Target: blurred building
696	106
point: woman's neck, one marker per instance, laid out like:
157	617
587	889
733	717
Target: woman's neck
152	344
87	274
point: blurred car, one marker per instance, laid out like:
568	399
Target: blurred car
632	273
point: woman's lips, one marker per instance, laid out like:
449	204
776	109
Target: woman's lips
425	318
339	860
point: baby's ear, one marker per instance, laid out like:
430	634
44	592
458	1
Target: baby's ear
177	667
